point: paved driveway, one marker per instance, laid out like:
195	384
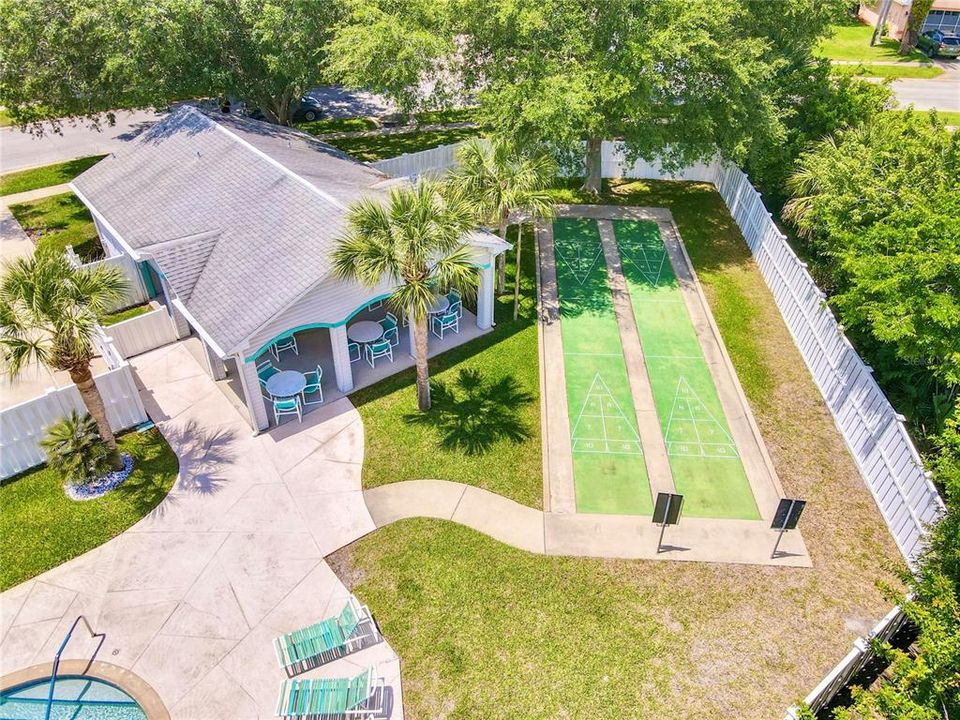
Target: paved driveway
191	597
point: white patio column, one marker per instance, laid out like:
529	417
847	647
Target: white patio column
215	365
485	297
256	407
341	358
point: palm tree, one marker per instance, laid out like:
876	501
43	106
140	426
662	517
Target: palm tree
48	314
415	241
500	180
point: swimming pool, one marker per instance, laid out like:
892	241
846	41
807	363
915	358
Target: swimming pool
75	697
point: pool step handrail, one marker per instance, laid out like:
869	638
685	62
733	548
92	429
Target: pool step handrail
56	658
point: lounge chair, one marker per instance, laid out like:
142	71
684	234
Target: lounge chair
326	640
317	698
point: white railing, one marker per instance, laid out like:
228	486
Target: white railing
23	426
872	429
136	294
142	333
852	663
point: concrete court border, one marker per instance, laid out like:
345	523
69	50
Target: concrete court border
761	474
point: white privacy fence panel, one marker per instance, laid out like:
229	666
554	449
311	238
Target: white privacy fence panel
873	430
142	333
23	426
136	293
852	663
435	161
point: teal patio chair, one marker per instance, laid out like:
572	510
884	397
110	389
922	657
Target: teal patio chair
312	387
379	349
288	343
392	336
326	640
441	323
287	406
361	696
354	348
456	308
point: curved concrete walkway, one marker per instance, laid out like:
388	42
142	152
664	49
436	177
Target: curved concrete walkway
191	597
747	542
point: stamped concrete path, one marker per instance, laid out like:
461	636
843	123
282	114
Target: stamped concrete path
585	535
191	597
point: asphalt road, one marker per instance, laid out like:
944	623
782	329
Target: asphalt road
942	93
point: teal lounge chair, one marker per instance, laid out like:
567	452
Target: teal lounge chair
356	697
326	640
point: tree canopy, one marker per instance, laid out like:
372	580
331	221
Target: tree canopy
80	58
671	78
881	202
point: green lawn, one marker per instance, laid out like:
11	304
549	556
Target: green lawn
379	147
23	180
852	42
486	435
335	125
57	221
125	314
486	631
5	118
40	527
889	71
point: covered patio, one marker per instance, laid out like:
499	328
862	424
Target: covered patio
315	348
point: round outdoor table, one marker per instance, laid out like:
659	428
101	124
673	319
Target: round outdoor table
286	383
441	303
365	331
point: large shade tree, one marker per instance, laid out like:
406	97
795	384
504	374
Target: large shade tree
674	79
48	314
416	242
500	179
81	58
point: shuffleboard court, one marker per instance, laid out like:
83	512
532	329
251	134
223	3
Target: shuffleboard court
608	466
704	459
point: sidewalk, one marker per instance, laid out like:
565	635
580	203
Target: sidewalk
8	200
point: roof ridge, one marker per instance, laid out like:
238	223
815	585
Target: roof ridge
257	151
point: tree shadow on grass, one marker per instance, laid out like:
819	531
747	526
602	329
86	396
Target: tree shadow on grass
473	413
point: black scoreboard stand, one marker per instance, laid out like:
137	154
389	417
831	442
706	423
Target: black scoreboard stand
786	518
666	512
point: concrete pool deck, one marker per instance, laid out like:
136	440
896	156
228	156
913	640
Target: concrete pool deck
191	597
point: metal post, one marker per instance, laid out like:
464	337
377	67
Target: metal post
663	526
881	20
783	529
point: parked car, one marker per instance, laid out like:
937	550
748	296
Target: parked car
936	43
308	109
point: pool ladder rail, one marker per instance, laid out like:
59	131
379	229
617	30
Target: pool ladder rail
63	645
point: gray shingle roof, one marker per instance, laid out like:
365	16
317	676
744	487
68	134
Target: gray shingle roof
240	216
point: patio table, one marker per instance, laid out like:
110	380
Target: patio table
441	303
286	383
365	331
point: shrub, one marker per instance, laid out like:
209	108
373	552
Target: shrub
75	450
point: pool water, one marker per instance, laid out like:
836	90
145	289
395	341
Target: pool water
75	698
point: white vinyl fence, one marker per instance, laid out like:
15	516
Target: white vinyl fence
136	293
142	333
22	426
874	432
852	663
